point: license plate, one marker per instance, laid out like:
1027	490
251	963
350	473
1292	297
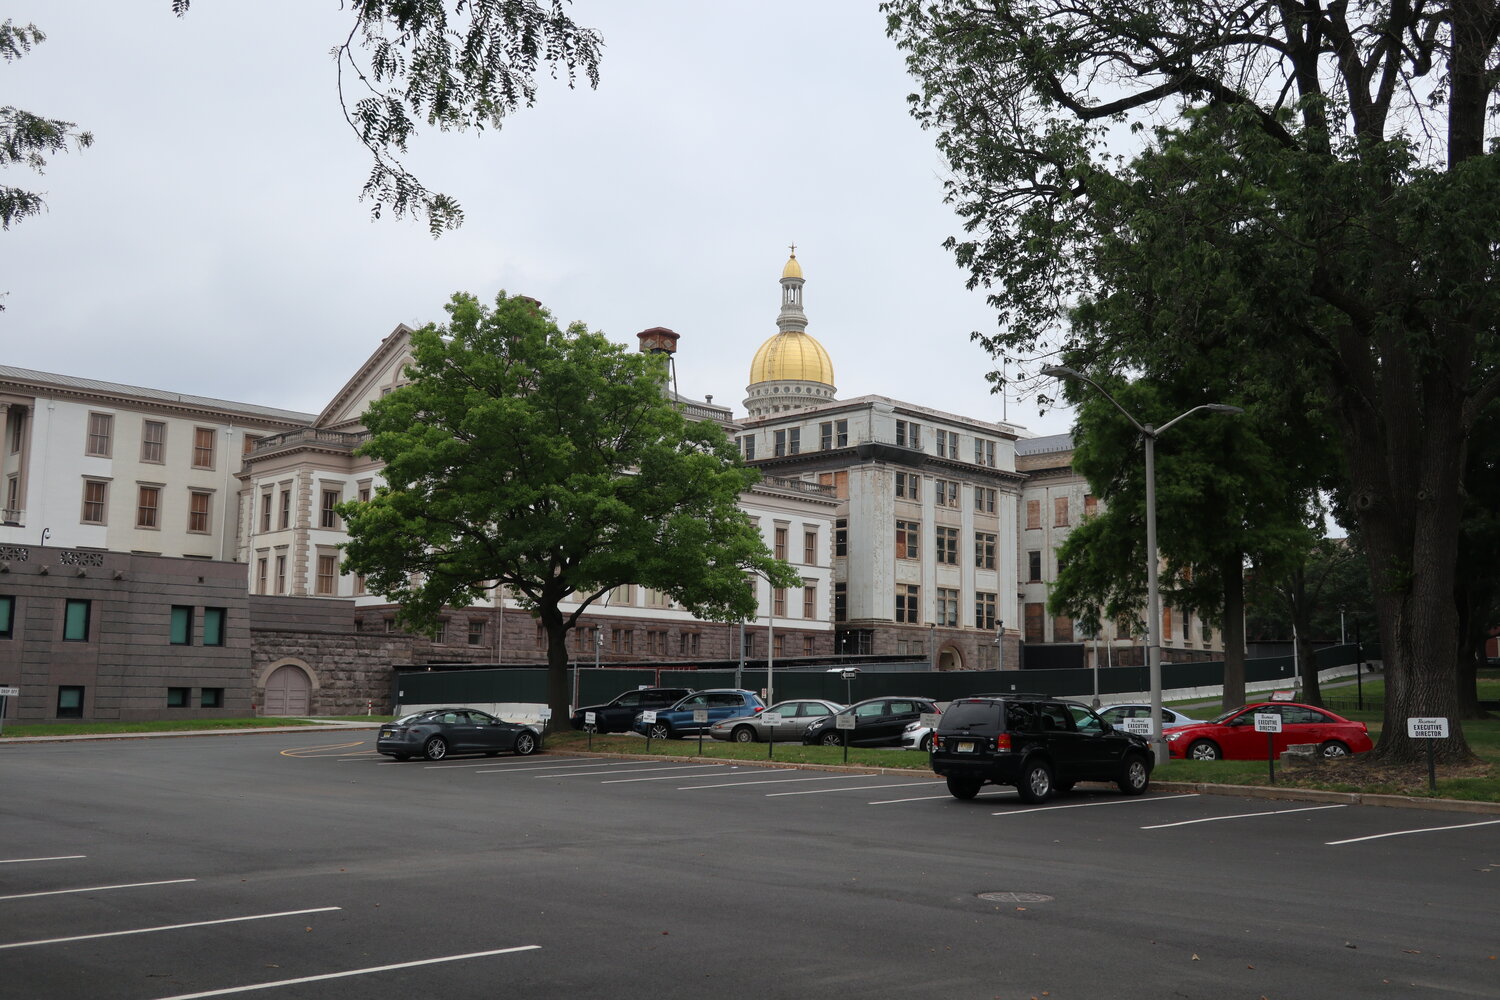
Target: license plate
965	746
385	733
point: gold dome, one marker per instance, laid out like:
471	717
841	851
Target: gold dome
792	269
791	356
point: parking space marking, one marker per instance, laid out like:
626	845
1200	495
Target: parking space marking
667	777
1110	802
1268	812
1403	833
554	766
351	972
97	888
168	927
857	788
501	765
316	751
771	781
23	861
639	770
929	798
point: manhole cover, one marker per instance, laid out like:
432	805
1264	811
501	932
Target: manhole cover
1015	897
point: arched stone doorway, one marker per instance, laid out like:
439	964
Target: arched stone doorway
288	689
949	658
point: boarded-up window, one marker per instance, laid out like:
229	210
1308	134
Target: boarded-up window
1060	512
1036	620
1062	629
1090	505
838	480
1033	514
1166	625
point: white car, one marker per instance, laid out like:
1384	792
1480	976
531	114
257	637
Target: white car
917	737
1116	715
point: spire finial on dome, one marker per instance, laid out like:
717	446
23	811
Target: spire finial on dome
794	249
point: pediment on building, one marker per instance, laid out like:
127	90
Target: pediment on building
380	373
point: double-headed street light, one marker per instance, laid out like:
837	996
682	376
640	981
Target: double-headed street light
1149	434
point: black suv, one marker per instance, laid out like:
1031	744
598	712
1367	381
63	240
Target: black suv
1037	743
617	716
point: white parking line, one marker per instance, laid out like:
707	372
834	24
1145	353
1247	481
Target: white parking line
1403	833
771	781
351	972
856	788
96	888
638	770
60	857
667	777
1269	812
1090	805
501	765
558	766
929	798
168	927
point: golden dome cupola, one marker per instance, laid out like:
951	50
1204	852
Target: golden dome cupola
791	370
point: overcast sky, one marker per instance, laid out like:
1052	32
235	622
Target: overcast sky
212	241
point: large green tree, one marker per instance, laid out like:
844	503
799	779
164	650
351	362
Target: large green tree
1348	148
552	463
26	138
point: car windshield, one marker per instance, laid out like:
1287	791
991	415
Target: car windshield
1224	715
407	720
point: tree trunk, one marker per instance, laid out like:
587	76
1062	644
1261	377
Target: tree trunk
559	690
1467	683
1234	631
1307	665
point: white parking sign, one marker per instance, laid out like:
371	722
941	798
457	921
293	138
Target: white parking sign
1427	729
1267	722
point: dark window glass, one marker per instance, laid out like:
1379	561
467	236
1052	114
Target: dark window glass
212	698
213	626
7	616
178	697
182	626
70	701
76	622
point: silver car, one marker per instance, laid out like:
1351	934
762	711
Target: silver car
1116	715
796	715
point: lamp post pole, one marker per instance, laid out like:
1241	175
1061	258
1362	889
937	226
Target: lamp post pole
1149	433
1000	644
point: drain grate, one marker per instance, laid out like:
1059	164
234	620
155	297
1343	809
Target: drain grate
1015	897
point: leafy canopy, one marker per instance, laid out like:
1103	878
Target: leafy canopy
27	138
554	463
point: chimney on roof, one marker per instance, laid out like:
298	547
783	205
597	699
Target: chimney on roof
658	340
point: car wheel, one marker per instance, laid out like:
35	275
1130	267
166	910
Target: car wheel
659	731
435	748
1204	750
926	746
1036	782
964	788
1136	776
525	743
831	739
743	734
1333	748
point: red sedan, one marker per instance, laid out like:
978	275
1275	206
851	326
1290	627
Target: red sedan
1233	736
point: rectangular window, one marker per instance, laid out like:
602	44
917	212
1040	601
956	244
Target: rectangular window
809	599
13	498
328	574
359	583
70	701
153	441
248	445
1034	566
7	616
1060	512
780	546
810	548
825	435
906	539
182	625
281	574
840	601
17	433
809	646
203	447
984	452
947	444
984	550
1033	514
908	486
101	429
1166	625
909	434
984	500
213	626
690	643
946	606
789	441
779	645
984	610
1062	629
199	506
747	446
328	517
265	512
286	509
179	697
95	501
841	537
621	640
778	602
1036	622
364	494
833	434
211	698
76	621
947	545
1090	505
839	481
147	506
908	595
476	631
946	493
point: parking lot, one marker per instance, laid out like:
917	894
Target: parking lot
304	865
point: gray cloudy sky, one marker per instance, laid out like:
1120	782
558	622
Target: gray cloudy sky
212	241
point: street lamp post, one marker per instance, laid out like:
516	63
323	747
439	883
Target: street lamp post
1000	644
1149	434
932	645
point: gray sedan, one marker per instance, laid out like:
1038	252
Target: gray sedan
796	716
